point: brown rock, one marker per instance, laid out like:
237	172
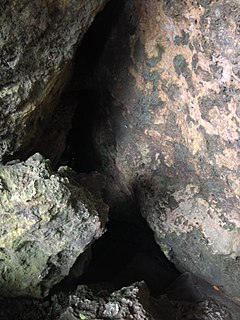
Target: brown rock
171	77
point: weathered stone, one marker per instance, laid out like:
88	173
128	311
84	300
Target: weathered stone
132	302
37	43
54	139
47	219
170	77
206	310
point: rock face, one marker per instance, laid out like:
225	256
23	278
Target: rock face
170	75
47	219
37	44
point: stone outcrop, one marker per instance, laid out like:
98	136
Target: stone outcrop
37	43
170	81
47	219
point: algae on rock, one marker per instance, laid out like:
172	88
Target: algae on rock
47	219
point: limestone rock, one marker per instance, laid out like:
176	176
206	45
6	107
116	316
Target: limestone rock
37	43
47	219
170	82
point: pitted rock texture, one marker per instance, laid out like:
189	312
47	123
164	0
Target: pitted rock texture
54	139
37	43
206	310
132	302
170	79
47	219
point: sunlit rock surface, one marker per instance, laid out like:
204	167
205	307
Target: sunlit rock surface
37	43
170	77
47	219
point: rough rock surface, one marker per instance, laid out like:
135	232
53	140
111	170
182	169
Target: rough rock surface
131	302
170	76
37	43
128	303
54	139
47	219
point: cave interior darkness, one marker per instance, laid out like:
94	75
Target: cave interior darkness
127	252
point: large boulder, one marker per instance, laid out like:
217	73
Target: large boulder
170	76
37	43
47	219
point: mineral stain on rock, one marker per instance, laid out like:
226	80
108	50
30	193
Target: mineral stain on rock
195	81
183	39
156	93
181	68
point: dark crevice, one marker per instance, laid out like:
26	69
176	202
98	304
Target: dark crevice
92	46
80	153
127	252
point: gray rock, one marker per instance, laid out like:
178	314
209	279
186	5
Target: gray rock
47	219
132	302
37	43
206	310
193	234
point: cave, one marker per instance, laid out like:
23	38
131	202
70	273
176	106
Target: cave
127	244
119	160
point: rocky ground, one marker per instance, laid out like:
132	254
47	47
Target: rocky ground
133	302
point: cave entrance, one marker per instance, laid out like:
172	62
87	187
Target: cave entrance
127	252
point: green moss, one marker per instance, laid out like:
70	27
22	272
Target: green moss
37	209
